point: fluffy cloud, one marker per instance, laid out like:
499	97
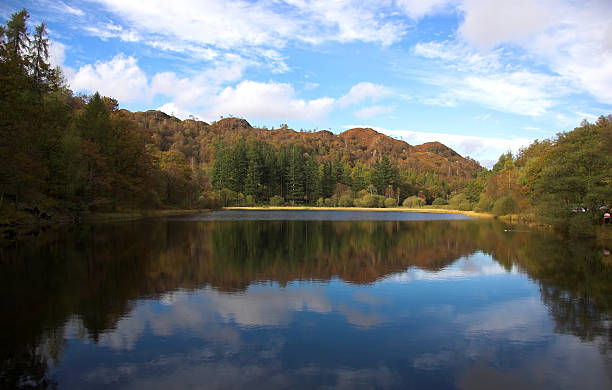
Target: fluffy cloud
363	91
237	23
268	101
57	53
487	23
572	38
120	78
207	93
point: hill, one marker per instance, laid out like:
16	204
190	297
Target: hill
359	144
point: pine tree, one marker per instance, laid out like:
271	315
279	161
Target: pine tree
17	39
295	175
252	181
39	56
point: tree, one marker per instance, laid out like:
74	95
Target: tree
385	174
252	181
17	39
295	175
39	56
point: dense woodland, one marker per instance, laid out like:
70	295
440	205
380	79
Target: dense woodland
66	155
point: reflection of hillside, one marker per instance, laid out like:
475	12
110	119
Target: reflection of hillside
96	274
358	252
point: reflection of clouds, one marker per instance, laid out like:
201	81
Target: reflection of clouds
363	297
475	265
433	361
268	306
230	375
359	318
200	313
518	320
564	363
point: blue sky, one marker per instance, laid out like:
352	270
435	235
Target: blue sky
481	76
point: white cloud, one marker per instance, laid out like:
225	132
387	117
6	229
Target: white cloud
484	79
237	23
573	39
64	8
57	53
372	111
268	101
173	110
416	9
111	30
208	95
363	91
487	23
120	78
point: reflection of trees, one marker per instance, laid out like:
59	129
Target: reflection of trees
96	273
575	283
358	252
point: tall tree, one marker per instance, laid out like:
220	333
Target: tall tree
40	55
17	39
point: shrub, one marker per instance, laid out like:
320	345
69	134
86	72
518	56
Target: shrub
367	201
484	204
505	205
277	200
209	200
390	202
413	201
320	202
249	200
228	197
439	202
362	193
345	201
329	202
459	202
580	225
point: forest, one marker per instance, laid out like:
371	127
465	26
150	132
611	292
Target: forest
66	155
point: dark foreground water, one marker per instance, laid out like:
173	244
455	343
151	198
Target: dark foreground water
339	303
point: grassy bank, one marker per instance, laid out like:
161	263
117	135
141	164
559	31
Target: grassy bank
397	209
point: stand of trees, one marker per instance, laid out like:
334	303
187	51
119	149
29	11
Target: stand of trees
564	181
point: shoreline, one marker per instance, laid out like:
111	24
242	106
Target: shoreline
473	214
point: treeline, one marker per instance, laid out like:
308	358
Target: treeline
564	181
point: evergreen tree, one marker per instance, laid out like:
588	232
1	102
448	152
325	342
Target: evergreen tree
17	39
312	179
252	181
39	56
327	180
295	175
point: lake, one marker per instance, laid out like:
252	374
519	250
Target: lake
305	299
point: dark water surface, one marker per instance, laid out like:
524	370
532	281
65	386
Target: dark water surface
232	300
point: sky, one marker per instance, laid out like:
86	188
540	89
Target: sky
481	76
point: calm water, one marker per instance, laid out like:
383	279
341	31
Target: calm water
305	300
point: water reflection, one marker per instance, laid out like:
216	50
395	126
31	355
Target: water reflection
304	303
